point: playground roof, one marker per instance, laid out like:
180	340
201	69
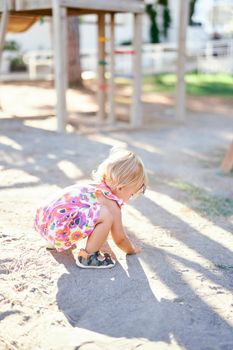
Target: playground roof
76	7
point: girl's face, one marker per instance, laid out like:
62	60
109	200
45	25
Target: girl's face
128	192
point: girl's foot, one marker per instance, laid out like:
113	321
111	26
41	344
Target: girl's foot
50	246
94	260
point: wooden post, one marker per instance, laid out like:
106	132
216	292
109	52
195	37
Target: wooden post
101	87
3	28
180	113
136	108
60	56
112	114
227	164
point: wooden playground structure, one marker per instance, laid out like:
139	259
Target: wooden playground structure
18	15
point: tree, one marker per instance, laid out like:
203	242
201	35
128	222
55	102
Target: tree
154	31
152	13
166	17
74	61
192	5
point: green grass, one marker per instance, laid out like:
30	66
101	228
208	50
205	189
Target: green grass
203	202
197	84
225	267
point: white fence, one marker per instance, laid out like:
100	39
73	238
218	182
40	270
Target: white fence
216	56
213	57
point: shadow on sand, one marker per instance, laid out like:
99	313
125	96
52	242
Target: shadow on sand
122	302
117	302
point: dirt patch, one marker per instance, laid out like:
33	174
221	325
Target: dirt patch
176	294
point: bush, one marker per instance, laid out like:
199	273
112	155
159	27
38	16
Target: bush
17	65
11	45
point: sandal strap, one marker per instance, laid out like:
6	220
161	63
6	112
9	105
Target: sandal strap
94	259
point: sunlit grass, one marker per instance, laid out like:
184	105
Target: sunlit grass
197	84
203	202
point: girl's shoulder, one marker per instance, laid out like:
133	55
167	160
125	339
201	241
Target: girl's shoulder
106	191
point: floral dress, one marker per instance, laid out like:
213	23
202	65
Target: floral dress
72	215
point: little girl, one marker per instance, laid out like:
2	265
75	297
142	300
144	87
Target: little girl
93	210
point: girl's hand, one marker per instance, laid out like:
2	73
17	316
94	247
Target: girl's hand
137	250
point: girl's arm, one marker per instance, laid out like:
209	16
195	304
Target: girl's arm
118	234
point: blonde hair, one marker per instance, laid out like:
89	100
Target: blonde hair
121	168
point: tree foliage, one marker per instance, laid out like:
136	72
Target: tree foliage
155	31
166	19
192	5
11	45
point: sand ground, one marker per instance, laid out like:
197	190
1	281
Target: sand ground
177	293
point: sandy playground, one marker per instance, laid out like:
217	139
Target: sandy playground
177	293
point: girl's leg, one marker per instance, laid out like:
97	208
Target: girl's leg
101	231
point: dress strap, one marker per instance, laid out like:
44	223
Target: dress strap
105	189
